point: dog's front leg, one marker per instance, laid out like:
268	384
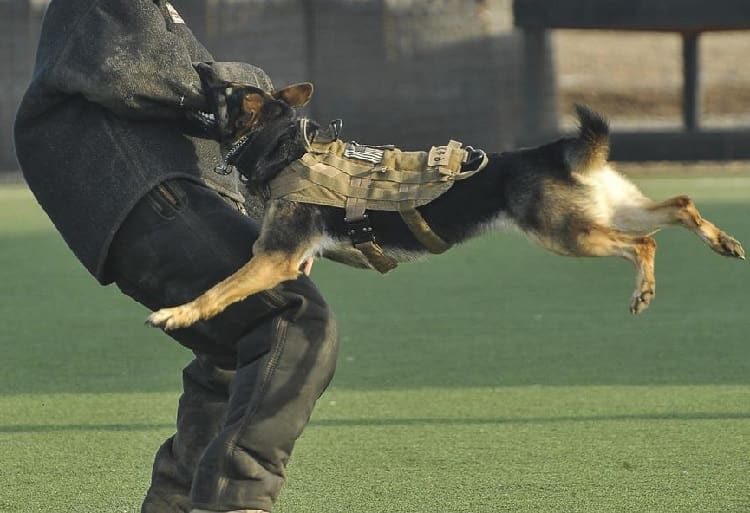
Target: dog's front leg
264	271
287	240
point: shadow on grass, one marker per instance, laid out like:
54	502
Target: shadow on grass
529	420
57	428
401	422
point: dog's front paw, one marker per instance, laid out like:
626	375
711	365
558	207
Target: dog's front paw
641	299
173	318
729	246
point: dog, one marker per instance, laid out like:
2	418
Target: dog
564	195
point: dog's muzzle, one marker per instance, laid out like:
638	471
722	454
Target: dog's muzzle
230	156
265	144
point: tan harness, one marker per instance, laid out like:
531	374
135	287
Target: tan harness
360	178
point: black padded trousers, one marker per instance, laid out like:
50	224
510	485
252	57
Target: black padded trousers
259	366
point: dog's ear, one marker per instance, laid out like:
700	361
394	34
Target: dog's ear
295	95
252	103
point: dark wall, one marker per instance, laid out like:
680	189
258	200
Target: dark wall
409	72
413	73
19	30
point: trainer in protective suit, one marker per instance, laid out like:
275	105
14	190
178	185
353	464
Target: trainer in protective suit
108	142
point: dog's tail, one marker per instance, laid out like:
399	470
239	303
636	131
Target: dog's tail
590	149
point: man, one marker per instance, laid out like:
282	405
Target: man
105	143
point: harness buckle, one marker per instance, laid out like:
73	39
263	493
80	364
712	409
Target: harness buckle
359	230
222	168
474	159
336	125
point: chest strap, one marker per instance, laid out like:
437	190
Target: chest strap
360	230
363	238
422	231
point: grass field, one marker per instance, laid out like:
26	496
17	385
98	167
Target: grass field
495	378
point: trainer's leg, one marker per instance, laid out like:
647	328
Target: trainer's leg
166	254
200	416
271	402
170	247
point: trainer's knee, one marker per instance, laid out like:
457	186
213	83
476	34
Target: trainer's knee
329	346
311	319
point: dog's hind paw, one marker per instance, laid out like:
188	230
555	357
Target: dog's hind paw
173	318
729	246
641	299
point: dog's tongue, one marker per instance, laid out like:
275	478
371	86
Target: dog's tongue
306	266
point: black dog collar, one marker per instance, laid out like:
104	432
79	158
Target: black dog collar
229	159
249	149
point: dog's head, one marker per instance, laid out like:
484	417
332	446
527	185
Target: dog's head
257	130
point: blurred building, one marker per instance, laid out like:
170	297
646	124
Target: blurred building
410	72
19	30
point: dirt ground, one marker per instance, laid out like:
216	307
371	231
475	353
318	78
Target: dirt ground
630	76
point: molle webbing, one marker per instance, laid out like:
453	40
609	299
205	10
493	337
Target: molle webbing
360	178
324	176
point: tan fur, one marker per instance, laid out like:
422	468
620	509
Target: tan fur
262	272
615	202
598	241
251	105
612	217
265	270
295	95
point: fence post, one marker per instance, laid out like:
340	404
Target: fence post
691	89
537	87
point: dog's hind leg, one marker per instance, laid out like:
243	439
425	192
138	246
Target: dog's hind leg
640	251
648	216
682	211
288	238
600	241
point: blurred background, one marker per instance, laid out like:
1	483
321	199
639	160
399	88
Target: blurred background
417	72
499	377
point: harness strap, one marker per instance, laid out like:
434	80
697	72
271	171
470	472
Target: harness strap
448	158
417	224
360	230
374	254
422	231
356	204
443	164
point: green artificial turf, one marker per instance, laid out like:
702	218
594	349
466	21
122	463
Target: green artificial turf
497	377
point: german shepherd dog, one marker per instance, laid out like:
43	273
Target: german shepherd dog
563	195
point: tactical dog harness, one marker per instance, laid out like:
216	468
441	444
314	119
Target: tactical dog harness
359	178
